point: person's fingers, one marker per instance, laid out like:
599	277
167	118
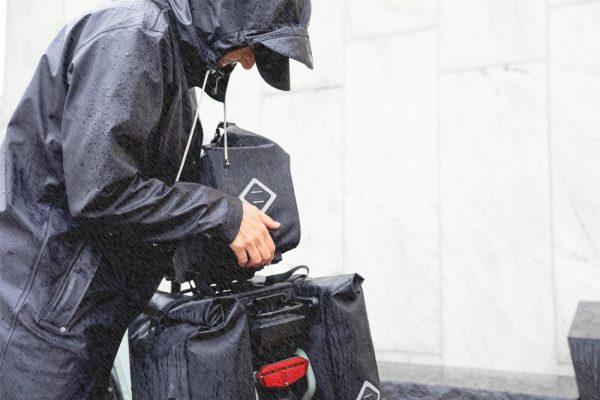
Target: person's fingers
269	222
268	240
248	60
265	254
271	244
255	259
240	254
271	247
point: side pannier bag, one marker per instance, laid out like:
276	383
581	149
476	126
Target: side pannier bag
185	354
340	346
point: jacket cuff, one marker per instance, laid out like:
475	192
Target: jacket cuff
233	219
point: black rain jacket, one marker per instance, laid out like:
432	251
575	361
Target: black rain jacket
90	158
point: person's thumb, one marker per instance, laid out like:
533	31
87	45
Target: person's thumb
269	222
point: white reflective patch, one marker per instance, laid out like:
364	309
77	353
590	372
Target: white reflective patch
369	392
258	194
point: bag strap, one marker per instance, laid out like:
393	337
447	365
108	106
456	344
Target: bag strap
286	276
159	318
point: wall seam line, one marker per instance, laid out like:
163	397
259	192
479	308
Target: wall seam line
551	187
304	90
343	156
378	36
572	4
490	66
408	352
439	180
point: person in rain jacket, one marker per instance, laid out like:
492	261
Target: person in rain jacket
92	209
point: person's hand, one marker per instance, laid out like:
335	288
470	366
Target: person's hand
253	245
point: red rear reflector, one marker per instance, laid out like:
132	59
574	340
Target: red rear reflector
283	373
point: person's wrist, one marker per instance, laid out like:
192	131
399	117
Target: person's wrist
233	219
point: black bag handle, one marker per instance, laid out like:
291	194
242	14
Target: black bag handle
220	129
286	276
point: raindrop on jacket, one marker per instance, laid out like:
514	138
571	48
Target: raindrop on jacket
91	210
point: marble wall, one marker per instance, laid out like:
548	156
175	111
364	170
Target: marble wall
445	149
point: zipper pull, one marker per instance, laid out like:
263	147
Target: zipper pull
218	76
225	143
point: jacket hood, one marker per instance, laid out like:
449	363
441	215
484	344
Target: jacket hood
278	30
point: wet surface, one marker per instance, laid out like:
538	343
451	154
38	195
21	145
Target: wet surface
403	381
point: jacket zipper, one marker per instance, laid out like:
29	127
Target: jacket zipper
27	289
61	288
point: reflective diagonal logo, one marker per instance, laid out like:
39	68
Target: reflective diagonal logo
369	392
258	194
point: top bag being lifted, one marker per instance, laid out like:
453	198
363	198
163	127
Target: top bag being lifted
257	170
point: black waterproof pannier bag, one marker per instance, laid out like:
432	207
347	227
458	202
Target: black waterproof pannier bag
192	348
198	350
340	346
257	170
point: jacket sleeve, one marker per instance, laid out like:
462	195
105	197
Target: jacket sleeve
114	104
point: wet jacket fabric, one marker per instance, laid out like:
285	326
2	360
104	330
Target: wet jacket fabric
91	211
